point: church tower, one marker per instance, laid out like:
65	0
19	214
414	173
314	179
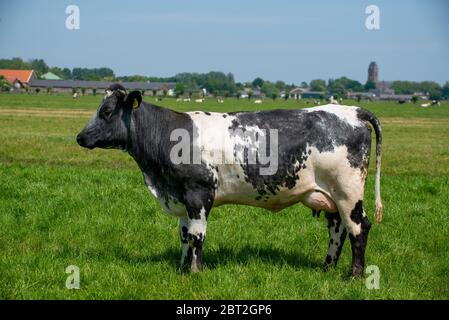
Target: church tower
373	72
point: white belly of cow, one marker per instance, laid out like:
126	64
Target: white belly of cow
315	187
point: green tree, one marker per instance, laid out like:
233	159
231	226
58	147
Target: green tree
66	73
445	90
14	63
369	85
39	66
304	85
4	84
281	85
414	99
96	74
317	85
154	91
269	89
258	82
179	89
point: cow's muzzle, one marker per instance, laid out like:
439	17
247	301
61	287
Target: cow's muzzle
81	140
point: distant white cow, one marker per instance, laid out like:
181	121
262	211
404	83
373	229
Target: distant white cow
333	101
199	100
258	101
425	105
186	100
220	100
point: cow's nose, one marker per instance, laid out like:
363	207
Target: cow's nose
80	140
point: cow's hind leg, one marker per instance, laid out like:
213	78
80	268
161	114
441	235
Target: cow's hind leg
357	226
337	236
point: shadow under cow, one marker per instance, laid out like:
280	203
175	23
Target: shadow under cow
222	256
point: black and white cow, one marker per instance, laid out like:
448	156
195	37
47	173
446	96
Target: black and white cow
320	158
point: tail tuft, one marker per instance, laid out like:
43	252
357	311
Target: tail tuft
378	211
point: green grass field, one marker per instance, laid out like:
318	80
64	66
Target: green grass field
62	205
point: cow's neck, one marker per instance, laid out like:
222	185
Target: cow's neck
149	143
144	133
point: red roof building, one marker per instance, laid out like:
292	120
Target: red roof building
18	77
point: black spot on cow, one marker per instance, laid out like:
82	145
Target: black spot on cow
207	113
184	234
225	115
258	198
238	177
356	213
196	112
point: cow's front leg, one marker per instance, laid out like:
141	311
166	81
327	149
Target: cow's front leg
186	257
196	233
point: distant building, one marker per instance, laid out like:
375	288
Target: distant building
296	93
50	76
373	73
255	93
68	86
18	78
383	90
313	95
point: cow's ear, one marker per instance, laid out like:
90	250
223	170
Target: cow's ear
134	99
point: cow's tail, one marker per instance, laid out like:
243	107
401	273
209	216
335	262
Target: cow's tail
372	119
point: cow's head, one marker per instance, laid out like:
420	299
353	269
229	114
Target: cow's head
109	127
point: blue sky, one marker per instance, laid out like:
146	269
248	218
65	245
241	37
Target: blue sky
292	41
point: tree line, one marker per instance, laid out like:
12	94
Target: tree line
219	83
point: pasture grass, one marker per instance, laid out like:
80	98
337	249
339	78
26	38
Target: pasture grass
62	205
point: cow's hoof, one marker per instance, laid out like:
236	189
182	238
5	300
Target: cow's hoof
357	271
326	267
196	267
